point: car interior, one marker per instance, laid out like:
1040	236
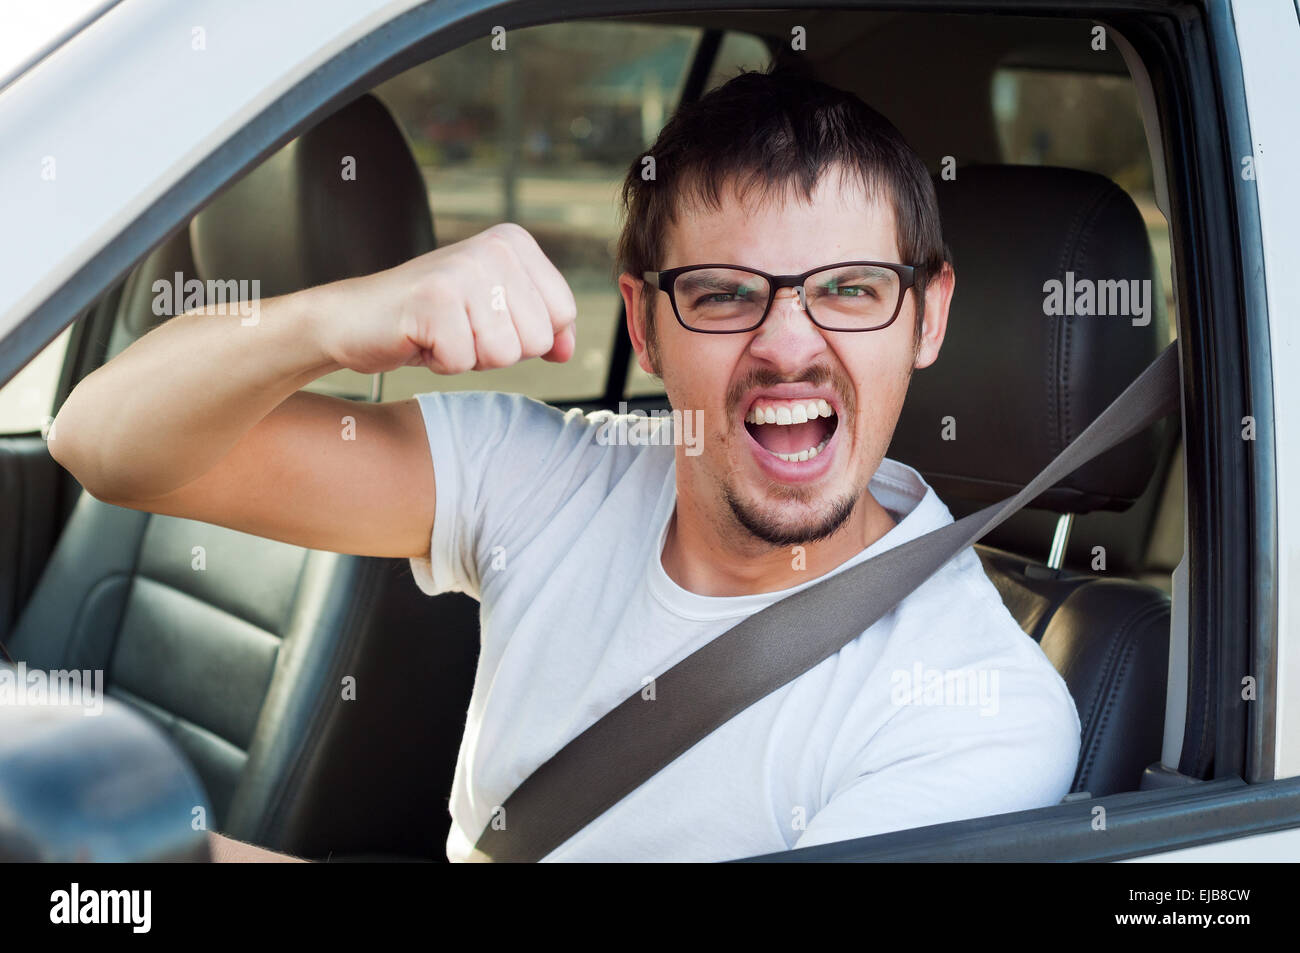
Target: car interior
321	696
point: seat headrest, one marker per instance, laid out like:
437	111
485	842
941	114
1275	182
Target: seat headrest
1023	370
343	199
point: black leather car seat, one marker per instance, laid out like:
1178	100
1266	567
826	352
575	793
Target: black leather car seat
1019	384
235	644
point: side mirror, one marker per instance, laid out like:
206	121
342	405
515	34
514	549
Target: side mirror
94	782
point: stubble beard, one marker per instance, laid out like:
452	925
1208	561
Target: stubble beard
758	520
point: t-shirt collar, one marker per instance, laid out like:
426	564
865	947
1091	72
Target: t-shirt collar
896	486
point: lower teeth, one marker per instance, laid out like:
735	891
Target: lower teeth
803	455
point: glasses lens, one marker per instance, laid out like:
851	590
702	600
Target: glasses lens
853	297
721	299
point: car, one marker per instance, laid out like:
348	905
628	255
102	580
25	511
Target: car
318	697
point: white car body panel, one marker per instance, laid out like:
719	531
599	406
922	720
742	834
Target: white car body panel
1277	847
79	106
1268	34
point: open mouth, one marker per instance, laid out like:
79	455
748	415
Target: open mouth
796	431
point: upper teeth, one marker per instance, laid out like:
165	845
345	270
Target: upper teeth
786	414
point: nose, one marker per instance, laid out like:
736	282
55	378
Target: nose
788	339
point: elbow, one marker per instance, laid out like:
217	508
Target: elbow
79	463
59	443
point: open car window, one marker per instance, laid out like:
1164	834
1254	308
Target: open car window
543	137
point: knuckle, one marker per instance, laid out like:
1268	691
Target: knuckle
565	314
455	360
536	336
497	241
504	237
453	345
509	230
499	350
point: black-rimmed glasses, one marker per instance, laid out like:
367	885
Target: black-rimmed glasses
730	299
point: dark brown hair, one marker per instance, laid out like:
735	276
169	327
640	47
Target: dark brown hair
772	130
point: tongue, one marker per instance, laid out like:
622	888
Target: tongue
792	438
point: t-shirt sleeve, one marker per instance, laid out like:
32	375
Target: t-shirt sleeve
1012	749
503	463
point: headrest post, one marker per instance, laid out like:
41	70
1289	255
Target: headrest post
1056	558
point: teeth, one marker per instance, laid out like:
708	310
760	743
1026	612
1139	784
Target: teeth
785	415
803	455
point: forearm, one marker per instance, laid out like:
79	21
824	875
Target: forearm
171	405
225	851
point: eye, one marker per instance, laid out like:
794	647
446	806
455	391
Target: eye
833	289
854	287
741	293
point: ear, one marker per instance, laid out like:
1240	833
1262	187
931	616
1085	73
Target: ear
938	297
631	287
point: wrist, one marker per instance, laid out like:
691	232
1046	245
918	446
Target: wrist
308	319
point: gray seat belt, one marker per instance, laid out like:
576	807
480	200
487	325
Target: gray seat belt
758	655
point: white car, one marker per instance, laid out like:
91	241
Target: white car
159	154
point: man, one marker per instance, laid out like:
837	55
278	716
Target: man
600	562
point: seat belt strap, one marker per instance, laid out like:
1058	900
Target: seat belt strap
635	740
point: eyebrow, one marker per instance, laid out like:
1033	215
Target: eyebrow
859	271
711	280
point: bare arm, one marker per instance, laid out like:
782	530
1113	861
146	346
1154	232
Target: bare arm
204	417
226	850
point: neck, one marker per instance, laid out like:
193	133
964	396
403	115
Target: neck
713	556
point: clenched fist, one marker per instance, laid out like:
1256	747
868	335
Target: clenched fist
491	300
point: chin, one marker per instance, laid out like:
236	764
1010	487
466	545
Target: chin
794	520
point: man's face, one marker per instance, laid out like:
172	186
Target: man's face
738	481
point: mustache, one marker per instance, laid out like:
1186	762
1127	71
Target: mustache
819	375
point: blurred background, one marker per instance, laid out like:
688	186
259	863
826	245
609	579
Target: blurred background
543	133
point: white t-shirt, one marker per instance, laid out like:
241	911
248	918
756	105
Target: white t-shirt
559	537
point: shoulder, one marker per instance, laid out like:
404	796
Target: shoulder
956	647
958	618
